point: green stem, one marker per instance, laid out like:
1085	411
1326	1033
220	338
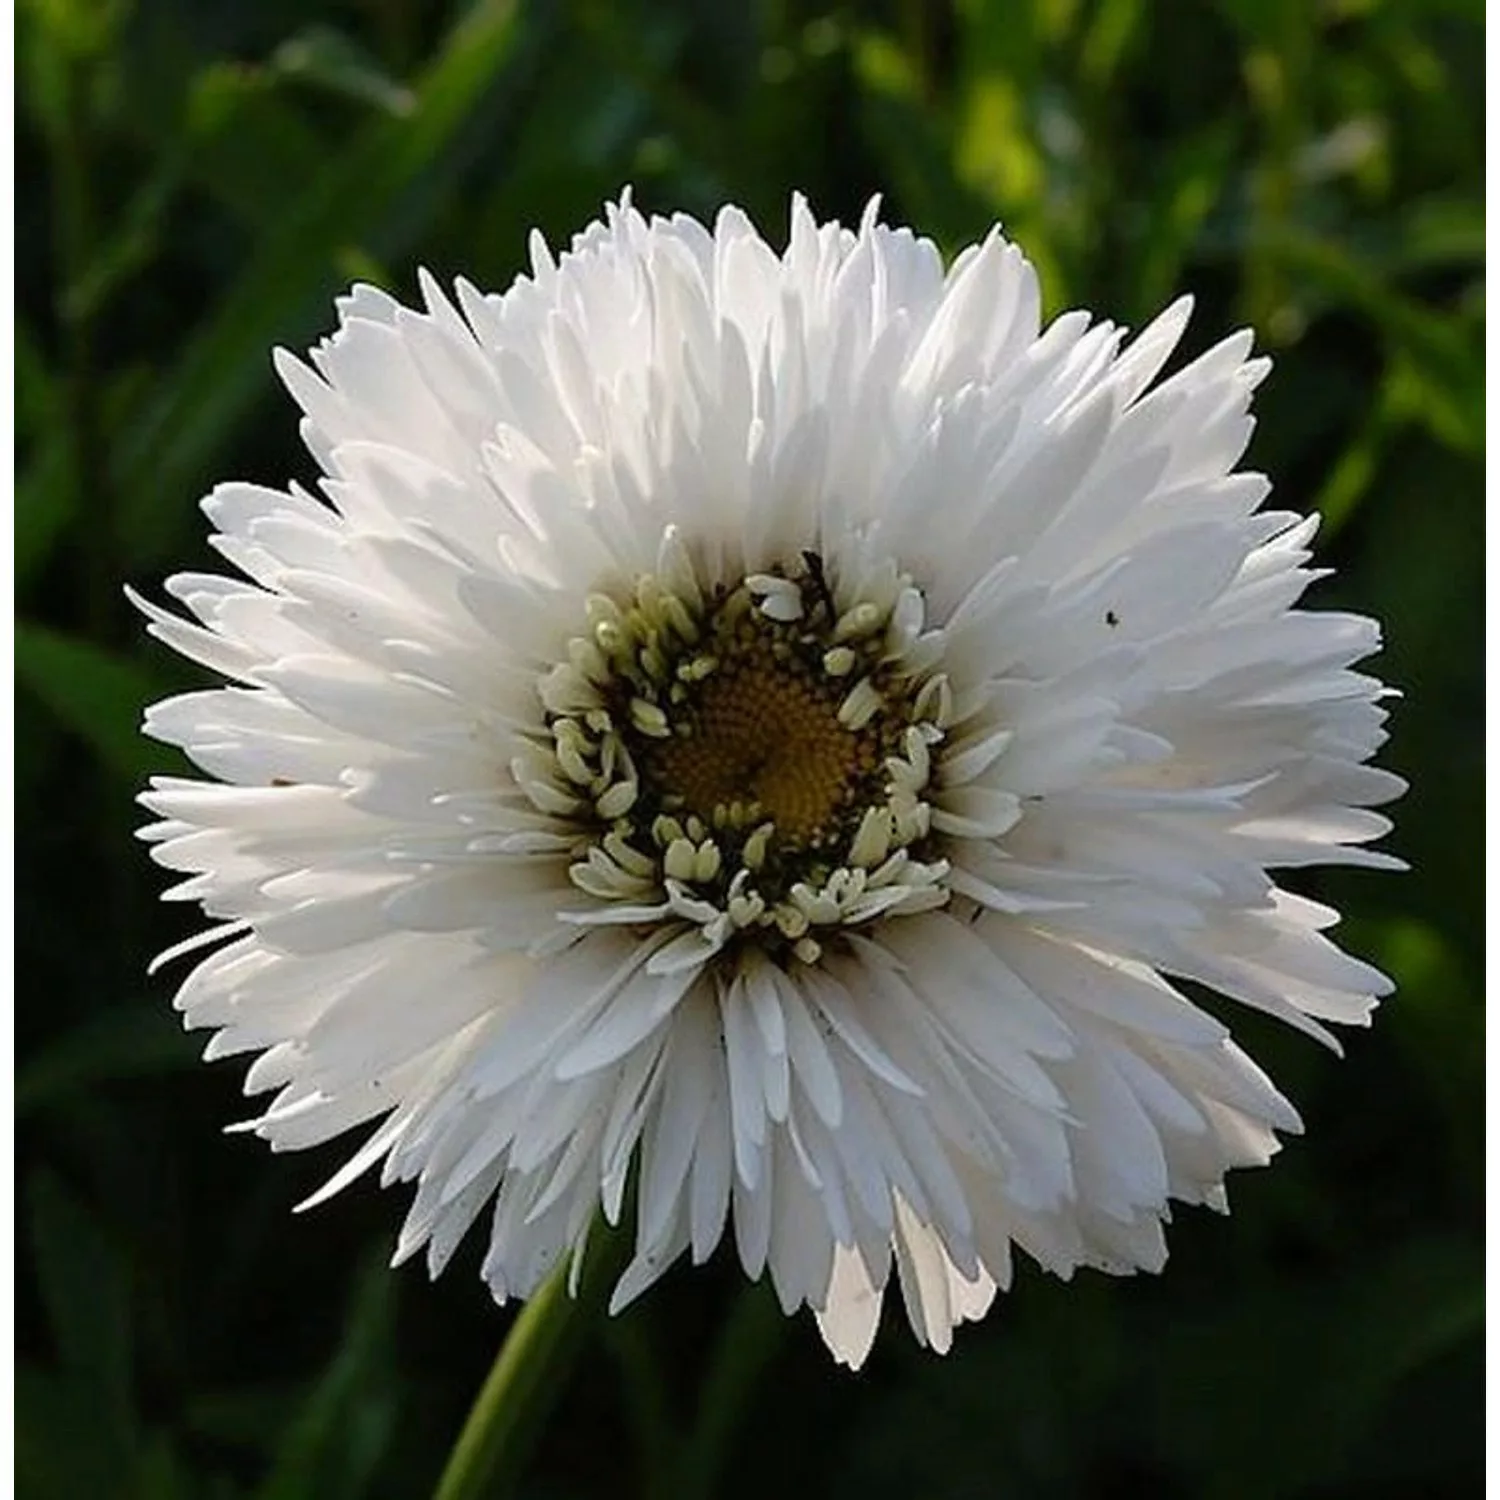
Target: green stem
544	1341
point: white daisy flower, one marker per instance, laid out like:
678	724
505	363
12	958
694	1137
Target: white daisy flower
772	729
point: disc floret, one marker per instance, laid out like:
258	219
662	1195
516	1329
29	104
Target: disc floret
746	761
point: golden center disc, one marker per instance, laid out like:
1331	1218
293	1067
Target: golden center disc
764	731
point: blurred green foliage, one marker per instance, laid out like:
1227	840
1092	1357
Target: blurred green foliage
198	178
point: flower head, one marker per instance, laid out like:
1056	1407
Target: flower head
772	728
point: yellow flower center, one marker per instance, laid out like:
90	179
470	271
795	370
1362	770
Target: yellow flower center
752	758
765	732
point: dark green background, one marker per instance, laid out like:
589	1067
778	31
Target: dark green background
198	178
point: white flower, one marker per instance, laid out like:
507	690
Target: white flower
772	728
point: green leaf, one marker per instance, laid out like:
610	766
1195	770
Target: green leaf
36	384
79	28
1441	356
1434	1018
1116	30
242	140
128	249
61	1451
1442	229
286	286
86	1289
245	1417
647	54
1190	184
332	59
96	694
753	1336
1350	481
1330	1351
653	1423
44	483
133	1041
334	1447
916	147
162	1473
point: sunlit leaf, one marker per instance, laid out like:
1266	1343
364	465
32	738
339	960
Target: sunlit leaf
334	60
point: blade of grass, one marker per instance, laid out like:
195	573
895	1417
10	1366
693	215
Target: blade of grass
96	694
293	274
334	1446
